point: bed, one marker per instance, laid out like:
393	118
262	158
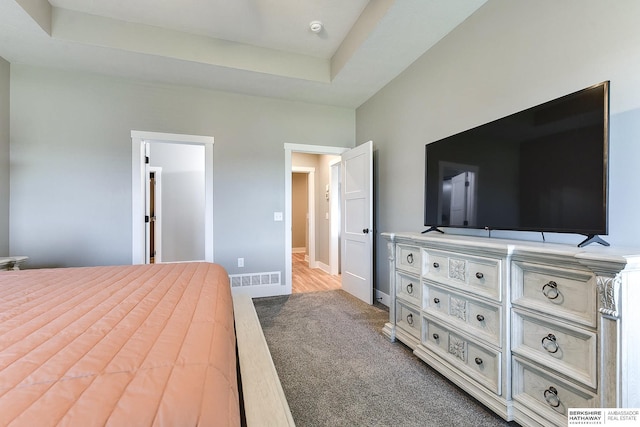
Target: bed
132	345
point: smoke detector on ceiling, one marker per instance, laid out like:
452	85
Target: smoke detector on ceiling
315	26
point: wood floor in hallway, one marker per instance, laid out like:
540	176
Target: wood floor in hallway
305	279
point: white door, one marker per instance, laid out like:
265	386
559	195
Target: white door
357	222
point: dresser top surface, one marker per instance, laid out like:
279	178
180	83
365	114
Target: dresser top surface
590	254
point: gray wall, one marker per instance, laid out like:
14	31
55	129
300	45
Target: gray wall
323	207
71	163
4	157
508	56
182	200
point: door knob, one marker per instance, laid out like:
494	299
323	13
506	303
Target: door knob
365	230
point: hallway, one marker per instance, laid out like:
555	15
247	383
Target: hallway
307	279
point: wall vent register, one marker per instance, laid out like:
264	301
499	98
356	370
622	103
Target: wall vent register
255	279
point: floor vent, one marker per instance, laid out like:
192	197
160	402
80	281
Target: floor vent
255	279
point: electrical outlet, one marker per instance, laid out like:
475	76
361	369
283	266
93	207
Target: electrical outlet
240	262
277	216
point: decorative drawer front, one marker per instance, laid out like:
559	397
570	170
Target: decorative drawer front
481	319
408	319
435	335
479	363
486	364
435	265
546	394
569	350
408	258
565	293
473	274
408	288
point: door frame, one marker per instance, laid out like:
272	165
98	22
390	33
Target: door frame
288	150
138	177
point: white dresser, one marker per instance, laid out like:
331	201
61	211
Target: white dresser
529	329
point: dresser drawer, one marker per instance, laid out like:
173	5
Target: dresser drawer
435	335
435	265
408	288
408	319
546	394
470	314
566	349
481	276
478	362
408	258
564	293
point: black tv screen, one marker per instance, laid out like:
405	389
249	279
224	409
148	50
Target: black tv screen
541	169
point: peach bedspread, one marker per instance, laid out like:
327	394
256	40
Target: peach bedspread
121	346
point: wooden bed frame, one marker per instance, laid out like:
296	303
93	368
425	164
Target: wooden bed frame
262	399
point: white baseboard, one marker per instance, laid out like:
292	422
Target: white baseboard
383	298
298	250
324	267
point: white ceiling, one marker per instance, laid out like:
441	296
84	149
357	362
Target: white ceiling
256	47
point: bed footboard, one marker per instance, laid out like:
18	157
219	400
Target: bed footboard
263	397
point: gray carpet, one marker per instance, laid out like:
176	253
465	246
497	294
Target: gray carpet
337	369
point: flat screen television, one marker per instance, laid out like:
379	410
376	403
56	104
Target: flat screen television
542	169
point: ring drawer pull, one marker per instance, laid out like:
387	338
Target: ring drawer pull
436	336
410	258
410	288
436	265
479	275
551	340
410	319
436	300
552	292
478	361
551	396
480	317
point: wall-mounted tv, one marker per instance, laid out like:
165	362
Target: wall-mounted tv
542	169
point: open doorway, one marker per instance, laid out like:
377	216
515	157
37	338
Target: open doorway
182	202
315	217
141	147
356	232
